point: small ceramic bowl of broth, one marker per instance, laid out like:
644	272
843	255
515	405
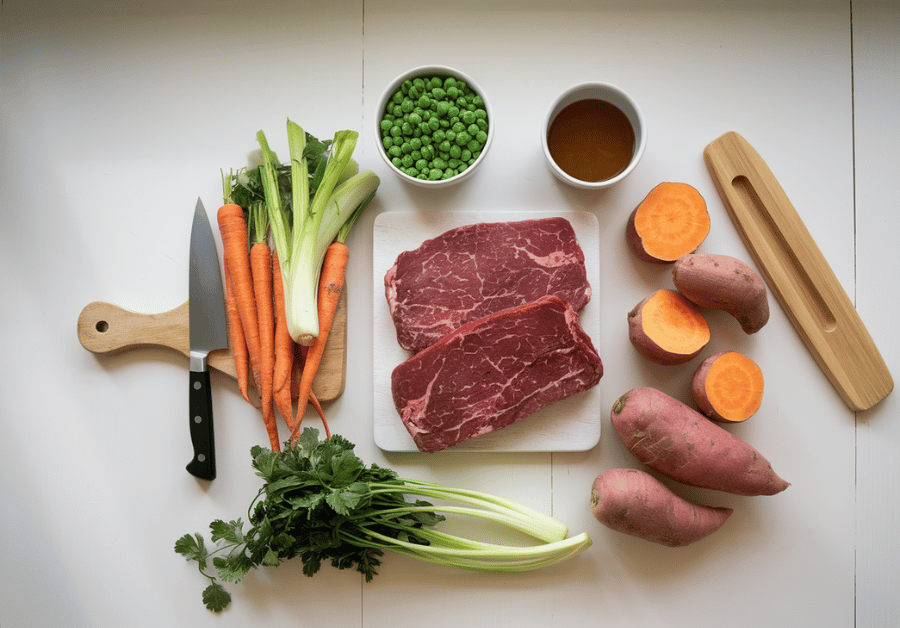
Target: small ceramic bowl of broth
593	135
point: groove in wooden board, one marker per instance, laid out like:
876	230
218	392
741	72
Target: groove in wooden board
797	272
106	330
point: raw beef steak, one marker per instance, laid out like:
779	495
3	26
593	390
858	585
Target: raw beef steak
494	371
471	271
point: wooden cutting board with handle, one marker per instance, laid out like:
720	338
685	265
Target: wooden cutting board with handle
105	329
797	272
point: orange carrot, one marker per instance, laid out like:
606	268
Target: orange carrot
284	348
331	284
261	264
233	227
284	344
238	343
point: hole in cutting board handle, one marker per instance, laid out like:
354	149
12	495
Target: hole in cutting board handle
786	257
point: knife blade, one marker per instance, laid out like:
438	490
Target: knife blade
208	330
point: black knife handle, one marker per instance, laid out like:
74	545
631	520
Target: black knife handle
203	465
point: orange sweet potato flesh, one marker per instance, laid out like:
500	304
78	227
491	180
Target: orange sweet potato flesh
728	387
634	502
682	444
666	328
721	282
671	221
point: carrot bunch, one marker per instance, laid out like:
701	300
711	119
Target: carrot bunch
264	351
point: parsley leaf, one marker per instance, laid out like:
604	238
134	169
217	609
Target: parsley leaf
216	597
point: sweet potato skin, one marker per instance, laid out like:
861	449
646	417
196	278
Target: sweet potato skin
634	502
647	347
721	282
682	444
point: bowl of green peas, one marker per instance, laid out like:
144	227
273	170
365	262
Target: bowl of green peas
434	126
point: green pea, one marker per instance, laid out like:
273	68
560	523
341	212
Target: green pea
480	113
424	101
455	152
422	165
434	174
451	135
435	82
415	119
481	136
438	93
458	127
434	124
396	162
444	146
463	138
443	107
394	151
439	135
407	105
387	142
405	148
397	98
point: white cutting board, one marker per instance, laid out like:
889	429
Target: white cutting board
572	424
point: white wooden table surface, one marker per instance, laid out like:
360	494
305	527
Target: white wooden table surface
116	115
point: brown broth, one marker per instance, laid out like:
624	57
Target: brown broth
591	140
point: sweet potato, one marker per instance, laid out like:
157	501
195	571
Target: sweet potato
671	221
682	444
636	503
667	329
720	282
728	387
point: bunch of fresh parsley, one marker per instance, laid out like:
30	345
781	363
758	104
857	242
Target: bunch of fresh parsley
316	498
319	502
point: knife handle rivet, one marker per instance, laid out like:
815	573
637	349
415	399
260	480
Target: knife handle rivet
201	457
197	385
198	419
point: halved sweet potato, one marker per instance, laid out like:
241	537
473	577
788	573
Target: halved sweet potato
671	221
668	329
728	387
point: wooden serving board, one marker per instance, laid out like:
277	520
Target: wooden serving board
572	424
798	273
105	329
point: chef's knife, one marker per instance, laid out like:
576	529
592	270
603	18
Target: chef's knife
208	331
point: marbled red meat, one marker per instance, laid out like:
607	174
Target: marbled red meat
474	270
493	372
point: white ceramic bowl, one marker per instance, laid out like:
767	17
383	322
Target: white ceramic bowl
423	71
612	95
